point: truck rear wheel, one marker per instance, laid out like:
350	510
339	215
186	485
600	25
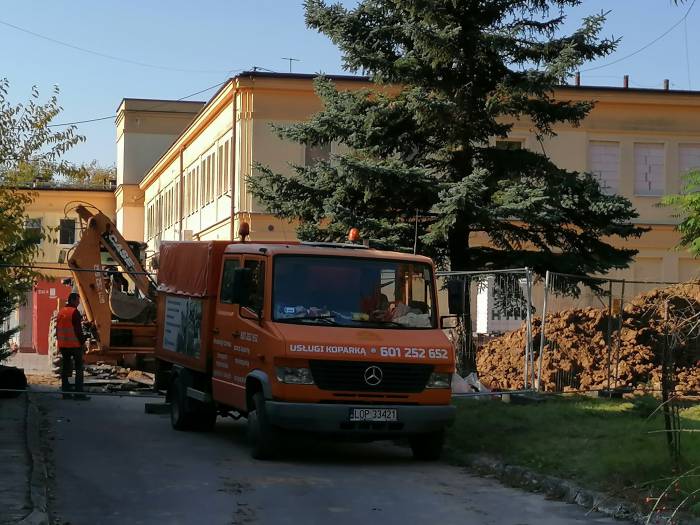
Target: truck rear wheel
427	447
261	435
181	416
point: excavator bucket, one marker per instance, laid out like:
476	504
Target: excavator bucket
125	306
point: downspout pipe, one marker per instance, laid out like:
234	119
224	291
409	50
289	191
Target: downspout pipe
233	159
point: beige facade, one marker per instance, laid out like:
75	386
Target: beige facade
145	128
638	142
198	190
51	211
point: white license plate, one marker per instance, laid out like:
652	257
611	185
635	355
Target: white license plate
373	414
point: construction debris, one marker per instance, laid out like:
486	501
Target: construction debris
576	352
110	378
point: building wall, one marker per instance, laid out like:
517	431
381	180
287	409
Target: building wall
50	206
628	119
145	130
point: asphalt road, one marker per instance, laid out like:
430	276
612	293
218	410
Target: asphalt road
114	464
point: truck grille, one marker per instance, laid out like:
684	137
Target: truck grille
350	376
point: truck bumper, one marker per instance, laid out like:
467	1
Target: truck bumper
335	419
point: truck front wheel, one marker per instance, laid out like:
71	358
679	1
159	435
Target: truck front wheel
427	447
261	435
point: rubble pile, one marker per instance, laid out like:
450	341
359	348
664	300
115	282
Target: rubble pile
112	378
575	355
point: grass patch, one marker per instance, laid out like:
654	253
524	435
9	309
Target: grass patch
601	444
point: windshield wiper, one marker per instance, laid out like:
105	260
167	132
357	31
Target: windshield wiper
325	319
377	321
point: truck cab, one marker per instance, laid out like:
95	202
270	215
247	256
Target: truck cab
336	339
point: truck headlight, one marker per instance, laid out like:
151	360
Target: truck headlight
294	376
439	380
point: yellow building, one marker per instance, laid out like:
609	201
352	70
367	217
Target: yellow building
51	213
637	141
197	189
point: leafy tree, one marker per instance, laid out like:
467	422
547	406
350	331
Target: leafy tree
93	175
25	140
418	147
40	173
687	205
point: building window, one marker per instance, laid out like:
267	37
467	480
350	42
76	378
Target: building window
33	227
66	231
212	177
220	170
314	154
509	144
688	158
649	169
227	167
604	164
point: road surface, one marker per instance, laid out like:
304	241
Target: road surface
114	464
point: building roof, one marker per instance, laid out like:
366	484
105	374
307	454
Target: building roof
66	188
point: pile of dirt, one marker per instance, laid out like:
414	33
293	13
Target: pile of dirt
576	351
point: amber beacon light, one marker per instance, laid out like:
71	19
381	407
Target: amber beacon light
243	231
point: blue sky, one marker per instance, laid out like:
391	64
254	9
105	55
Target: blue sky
211	38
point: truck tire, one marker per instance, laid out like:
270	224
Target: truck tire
261	435
427	447
181	415
54	354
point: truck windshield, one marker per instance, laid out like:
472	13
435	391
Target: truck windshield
345	291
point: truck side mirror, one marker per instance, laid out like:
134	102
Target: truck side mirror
242	280
455	296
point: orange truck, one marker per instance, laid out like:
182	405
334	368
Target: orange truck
337	339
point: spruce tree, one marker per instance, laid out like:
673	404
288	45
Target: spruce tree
418	147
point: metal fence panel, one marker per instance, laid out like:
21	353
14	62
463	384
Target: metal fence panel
495	303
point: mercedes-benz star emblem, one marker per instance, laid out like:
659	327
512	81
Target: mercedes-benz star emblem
373	375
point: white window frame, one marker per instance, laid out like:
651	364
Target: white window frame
604	181
644	170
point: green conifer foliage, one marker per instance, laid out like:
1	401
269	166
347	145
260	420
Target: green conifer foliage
418	148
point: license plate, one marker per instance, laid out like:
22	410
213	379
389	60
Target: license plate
373	414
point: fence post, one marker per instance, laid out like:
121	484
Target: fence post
609	334
542	324
619	333
528	277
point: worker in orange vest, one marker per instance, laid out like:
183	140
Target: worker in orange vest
70	338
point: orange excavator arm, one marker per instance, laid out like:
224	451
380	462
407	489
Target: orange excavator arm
90	273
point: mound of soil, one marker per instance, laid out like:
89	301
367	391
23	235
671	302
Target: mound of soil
576	352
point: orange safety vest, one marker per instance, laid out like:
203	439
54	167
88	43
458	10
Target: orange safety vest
65	334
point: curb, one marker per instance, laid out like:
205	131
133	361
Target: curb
555	488
38	485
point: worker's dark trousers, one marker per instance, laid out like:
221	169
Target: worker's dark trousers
71	358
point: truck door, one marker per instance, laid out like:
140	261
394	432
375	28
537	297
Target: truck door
228	386
238	336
